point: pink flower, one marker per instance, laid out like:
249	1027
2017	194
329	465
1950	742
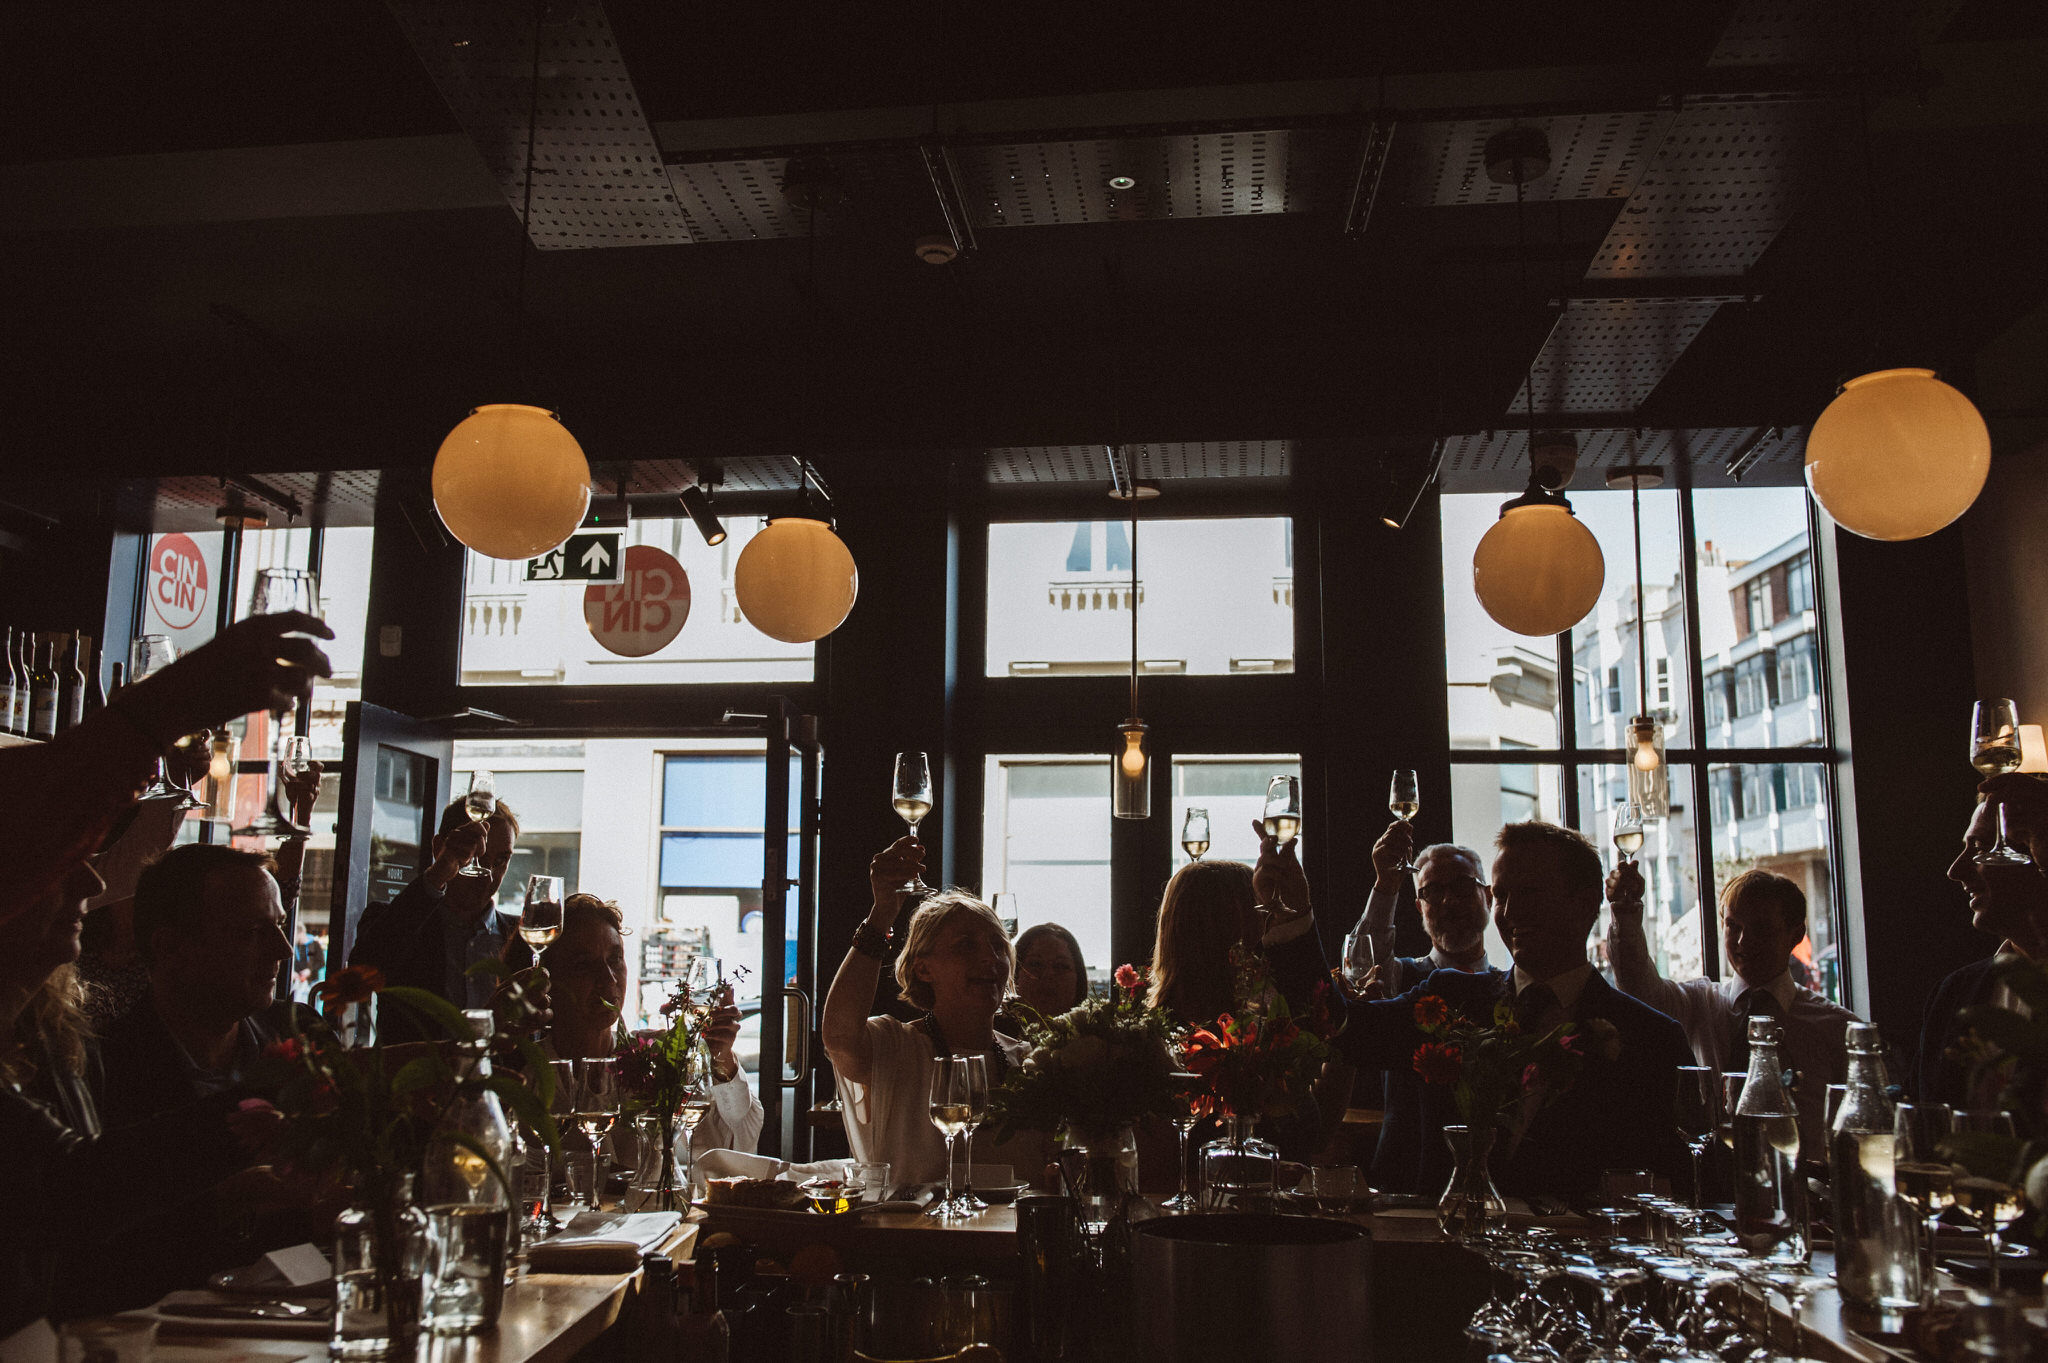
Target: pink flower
1532	1076
1128	979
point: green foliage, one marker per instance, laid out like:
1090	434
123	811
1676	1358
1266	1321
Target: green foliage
1100	1065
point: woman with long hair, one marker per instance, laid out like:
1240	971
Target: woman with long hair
1052	974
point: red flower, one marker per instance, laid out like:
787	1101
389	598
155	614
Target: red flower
1128	979
287	1049
1573	1042
1439	1063
1431	1012
356	984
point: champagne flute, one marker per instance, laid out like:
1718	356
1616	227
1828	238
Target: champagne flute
1994	751
152	653
977	1112
1628	830
1283	809
912	795
540	917
1992	1203
279	590
1404	802
950	1109
1194	834
595	1108
704	981
1925	1181
1698	1121
479	804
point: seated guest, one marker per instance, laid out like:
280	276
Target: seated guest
209	922
955	965
1619	1113
1763	917
1052	975
444	922
585	986
43	1030
2012	910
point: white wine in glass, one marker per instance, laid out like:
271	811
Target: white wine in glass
1194	834
540	918
1994	751
479	804
1628	830
1404	802
1283	809
911	795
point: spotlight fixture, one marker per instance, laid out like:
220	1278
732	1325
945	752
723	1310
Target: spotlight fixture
1122	182
697	502
938	250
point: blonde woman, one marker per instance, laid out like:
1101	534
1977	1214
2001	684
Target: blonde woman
955	965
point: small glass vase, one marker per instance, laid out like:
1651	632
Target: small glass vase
1100	1166
380	1251
1240	1172
657	1186
1470	1202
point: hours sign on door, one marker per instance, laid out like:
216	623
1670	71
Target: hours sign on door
640	614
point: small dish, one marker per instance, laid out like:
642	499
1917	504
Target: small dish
1000	1194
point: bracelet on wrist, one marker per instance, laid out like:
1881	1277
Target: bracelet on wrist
871	941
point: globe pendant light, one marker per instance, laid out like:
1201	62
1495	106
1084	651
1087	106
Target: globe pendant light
1897	455
796	580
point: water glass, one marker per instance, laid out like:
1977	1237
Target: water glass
464	1285
873	1180
1336	1187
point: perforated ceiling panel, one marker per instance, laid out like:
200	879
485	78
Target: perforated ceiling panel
745	473
1592	156
1494	458
1791	33
1160	462
741	199
1197	175
1609	354
598	178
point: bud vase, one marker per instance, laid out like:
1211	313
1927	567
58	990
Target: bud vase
380	1251
1240	1172
656	1188
1470	1202
1100	1167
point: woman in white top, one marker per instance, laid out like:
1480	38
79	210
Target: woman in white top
956	964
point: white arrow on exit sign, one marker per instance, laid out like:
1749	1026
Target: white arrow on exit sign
588	556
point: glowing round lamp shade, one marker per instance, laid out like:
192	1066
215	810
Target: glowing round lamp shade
795	581
1897	455
511	482
1538	571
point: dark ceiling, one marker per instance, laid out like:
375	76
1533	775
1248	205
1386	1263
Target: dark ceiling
251	238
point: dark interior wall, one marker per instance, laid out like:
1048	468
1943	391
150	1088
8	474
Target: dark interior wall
2007	549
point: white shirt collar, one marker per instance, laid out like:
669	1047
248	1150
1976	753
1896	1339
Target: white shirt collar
1782	989
1567	986
1474	964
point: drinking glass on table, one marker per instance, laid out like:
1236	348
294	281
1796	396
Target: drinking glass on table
1992	1203
1191	1104
950	1109
479	804
699	1078
1925	1181
911	795
1336	1187
1283	809
1699	1116
153	653
540	917
1404	802
279	590
1628	829
1994	751
977	1113
1194	833
596	1108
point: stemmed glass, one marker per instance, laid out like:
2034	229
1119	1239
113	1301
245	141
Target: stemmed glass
1698	1120
977	1112
1925	1181
1628	830
279	590
1194	833
1005	905
540	916
153	653
596	1108
1360	959
1731	1098
1992	1203
1283	809
479	804
912	795
1994	751
950	1109
1609	1280
1191	1105
1796	1285
698	1080
703	981
1404	802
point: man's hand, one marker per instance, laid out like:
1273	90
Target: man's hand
720	1030
248	666
1625	891
1394	850
453	850
895	866
1277	878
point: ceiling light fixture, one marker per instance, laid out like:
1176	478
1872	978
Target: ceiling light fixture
1649	783
1131	788
1122	182
697	502
1537	570
510	482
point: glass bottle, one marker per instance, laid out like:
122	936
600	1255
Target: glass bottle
379	1245
707	1337
42	715
468	1205
658	1311
1877	1260
22	658
71	683
1770	1197
10	678
95	693
1240	1172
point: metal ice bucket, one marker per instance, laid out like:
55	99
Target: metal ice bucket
1239	1286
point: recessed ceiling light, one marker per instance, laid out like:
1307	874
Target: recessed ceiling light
1122	182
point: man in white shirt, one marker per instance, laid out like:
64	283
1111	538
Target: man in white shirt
1453	897
1763	917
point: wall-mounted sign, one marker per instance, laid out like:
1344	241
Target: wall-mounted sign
178	584
640	614
588	556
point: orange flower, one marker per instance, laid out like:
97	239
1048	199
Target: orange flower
1431	1012
354	985
1438	1063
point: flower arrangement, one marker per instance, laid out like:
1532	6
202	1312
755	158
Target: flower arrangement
1498	1073
658	1067
1100	1065
1260	1060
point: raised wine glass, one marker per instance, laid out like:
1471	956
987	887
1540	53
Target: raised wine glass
1992	1203
1404	802
950	1109
977	1112
704	979
279	590
1925	1181
911	795
1194	833
1628	830
153	653
596	1109
1360	956
540	917
479	804
1994	751
1283	809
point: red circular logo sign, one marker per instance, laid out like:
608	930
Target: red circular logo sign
177	581
641	614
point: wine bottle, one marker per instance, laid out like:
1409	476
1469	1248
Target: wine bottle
9	679
71	683
95	694
43	693
21	661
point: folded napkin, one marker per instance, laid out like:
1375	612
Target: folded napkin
603	1242
740	1164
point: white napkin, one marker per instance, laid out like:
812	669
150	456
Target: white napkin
603	1242
740	1164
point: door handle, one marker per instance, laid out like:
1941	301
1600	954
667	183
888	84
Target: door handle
803	1066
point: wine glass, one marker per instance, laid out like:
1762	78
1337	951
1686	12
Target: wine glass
479	804
279	590
977	1113
1191	1104
698	1080
1994	751
1194	833
1925	1181
1283	809
1404	802
153	653
1628	830
595	1108
540	917
1731	1098
1992	1203
1698	1120
950	1106
912	795
1360	956
293	759
1005	905
703	979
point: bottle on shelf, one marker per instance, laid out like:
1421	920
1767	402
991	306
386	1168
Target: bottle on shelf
71	683
95	693
9	679
22	658
44	695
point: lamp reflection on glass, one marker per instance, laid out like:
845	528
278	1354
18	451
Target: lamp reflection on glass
1131	796
220	775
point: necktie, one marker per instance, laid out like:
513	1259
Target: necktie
1536	1008
1754	1003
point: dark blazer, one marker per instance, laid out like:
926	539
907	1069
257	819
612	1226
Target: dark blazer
1397	1162
405	939
144	1073
1938	1079
1619	1115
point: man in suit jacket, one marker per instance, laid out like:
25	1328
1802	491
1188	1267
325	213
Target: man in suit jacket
1547	890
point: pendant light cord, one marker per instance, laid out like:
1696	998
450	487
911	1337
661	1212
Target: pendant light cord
519	325
1522	286
1134	601
1635	504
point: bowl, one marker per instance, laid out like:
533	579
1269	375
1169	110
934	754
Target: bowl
1000	1194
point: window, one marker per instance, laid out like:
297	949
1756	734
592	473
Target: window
1754	681
1668	859
1799	584
521	633
1757	605
1233	790
1614	690
1045	839
1719	685
1214	597
1798	669
1663	683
